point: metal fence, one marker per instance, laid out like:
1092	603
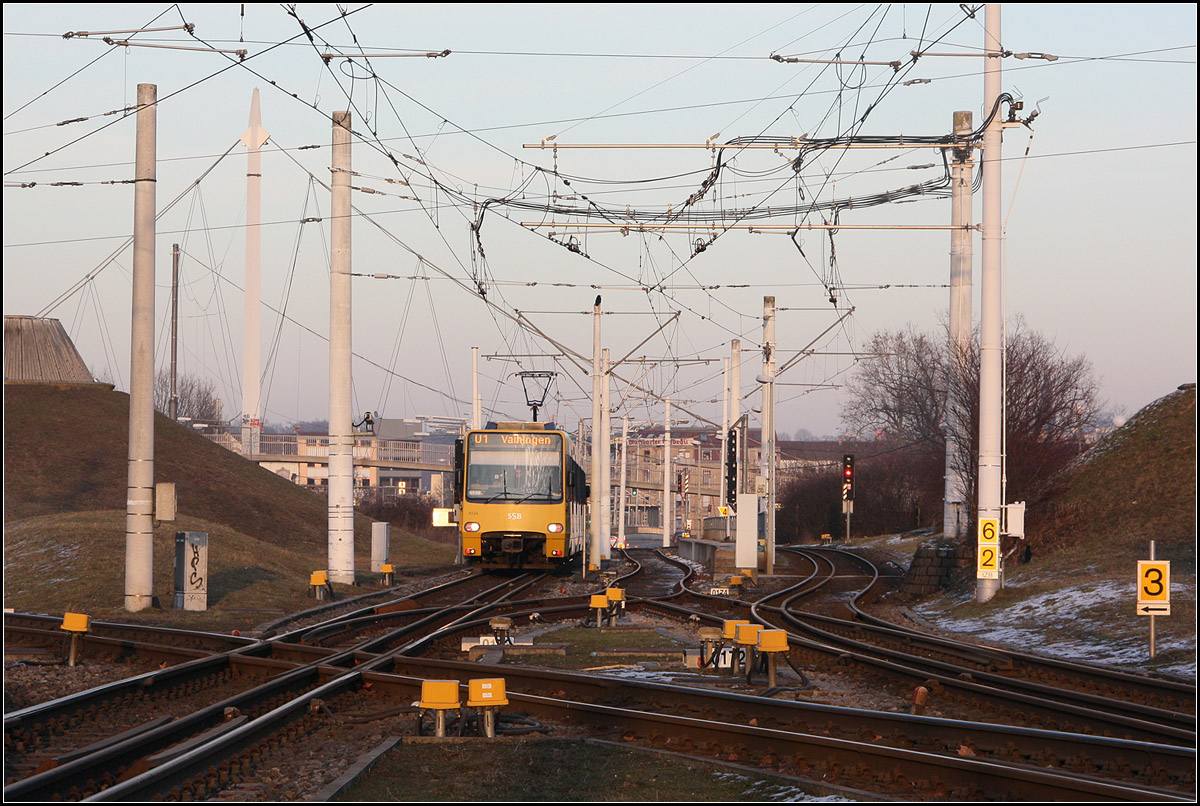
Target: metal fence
380	450
382	495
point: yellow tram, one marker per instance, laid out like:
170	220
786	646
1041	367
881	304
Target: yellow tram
522	498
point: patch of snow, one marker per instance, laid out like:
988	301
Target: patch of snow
1052	623
777	793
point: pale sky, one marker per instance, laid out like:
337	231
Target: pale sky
1099	192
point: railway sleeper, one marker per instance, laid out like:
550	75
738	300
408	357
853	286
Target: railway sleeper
738	753
933	789
1158	775
1009	752
893	779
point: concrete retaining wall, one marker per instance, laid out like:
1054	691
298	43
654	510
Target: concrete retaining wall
933	568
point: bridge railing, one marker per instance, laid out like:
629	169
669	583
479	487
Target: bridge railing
381	450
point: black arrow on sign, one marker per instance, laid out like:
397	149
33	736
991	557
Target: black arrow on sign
1153	609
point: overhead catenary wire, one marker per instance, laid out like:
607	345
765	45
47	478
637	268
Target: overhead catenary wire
158	102
516	318
643	287
58	84
108	261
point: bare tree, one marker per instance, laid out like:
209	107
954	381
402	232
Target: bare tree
197	398
902	392
1051	400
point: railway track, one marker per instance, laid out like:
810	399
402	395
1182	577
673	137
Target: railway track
1137	698
78	746
339	683
980	683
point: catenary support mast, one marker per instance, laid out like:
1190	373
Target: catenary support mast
139	506
341	436
954	510
253	139
991	325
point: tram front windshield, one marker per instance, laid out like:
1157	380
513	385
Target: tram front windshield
522	468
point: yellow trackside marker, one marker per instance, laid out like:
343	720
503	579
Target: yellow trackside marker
75	622
439	695
1154	588
988	566
987	555
486	693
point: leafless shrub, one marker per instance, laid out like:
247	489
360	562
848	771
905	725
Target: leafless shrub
1052	400
197	397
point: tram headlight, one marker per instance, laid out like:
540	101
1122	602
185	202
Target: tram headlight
470	526
555	528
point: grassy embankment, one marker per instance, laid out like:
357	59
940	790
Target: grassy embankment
65	459
1077	596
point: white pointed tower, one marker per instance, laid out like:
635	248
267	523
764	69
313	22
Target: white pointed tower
253	139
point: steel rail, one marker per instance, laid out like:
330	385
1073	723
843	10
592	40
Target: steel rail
896	663
947	773
1009	660
1107	677
897	728
56	782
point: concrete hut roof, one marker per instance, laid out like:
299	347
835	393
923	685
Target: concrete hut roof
40	351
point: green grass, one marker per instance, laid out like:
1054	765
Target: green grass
553	770
66	450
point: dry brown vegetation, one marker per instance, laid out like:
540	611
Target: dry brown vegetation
1138	484
65	458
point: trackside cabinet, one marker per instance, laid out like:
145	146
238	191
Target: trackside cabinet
191	570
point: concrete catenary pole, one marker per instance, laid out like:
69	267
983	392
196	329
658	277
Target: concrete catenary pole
605	457
253	140
588	538
724	432
668	518
173	405
595	499
991	357
624	480
768	434
139	499
341	437
476	400
735	407
954	508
